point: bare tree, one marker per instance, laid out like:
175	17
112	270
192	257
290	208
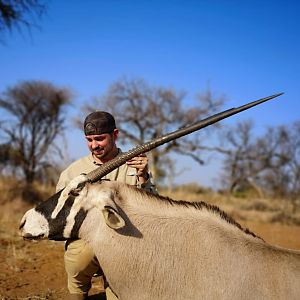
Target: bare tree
294	163
269	163
16	14
144	112
239	163
34	117
282	177
246	158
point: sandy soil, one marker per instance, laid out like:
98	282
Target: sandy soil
34	270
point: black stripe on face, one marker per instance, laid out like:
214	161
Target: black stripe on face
47	207
78	222
56	225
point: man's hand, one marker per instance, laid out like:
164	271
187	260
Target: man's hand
140	163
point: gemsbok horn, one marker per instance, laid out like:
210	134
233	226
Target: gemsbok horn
108	167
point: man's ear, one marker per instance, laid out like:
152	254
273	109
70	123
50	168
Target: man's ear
112	218
115	133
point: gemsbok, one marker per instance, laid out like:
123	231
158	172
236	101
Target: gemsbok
151	247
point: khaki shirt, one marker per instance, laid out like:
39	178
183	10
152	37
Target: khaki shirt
87	164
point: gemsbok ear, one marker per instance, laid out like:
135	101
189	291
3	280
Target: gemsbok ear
112	218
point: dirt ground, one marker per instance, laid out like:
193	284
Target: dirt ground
34	270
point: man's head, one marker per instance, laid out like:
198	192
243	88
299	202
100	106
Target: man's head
101	133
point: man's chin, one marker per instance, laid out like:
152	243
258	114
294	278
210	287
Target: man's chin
99	155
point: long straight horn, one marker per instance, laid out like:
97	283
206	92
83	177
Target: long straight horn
107	167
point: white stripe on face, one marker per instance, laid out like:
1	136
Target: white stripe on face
65	194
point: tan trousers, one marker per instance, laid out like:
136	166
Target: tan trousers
81	264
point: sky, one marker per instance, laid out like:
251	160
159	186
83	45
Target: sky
244	50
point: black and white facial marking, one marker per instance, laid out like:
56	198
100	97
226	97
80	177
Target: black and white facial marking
35	222
61	216
54	219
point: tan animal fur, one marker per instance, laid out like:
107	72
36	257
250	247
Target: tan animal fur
170	250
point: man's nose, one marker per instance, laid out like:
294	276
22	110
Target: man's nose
94	144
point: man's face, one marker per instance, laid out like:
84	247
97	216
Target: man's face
103	146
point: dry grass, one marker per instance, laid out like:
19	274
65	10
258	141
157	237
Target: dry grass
268	210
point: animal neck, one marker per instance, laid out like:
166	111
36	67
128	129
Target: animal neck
162	211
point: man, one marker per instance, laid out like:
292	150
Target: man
101	134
